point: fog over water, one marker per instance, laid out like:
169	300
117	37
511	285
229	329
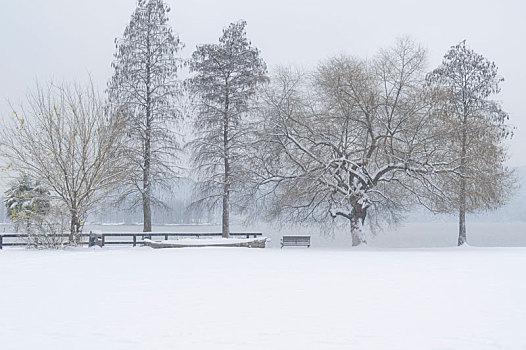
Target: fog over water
405	235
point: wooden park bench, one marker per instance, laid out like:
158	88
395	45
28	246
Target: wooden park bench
295	241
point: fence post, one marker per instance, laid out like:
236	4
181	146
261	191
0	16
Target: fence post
165	237
1	241
134	239
103	237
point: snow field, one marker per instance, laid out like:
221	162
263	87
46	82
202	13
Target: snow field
234	298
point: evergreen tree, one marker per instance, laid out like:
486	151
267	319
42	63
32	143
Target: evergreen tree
144	85
26	200
226	75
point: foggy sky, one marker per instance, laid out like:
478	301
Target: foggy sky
67	40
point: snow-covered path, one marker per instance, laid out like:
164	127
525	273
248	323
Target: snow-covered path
233	298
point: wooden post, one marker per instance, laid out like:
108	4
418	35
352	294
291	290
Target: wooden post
165	237
103	240
134	240
1	241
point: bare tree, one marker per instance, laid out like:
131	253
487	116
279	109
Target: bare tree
346	141
144	85
226	75
69	141
472	129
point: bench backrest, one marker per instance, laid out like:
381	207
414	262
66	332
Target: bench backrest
296	239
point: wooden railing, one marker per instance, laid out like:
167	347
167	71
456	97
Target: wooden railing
134	237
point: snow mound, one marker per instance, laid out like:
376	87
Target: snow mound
258	242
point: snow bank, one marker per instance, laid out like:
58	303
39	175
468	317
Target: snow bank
210	241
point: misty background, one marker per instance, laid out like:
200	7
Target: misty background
72	40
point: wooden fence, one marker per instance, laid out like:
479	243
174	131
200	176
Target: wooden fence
134	238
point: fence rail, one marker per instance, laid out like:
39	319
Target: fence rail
136	237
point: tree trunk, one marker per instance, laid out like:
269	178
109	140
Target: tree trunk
357	222
74	228
225	229
462	238
147	190
147	211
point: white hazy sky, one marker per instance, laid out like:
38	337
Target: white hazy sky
67	39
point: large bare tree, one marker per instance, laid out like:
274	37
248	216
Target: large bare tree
66	138
472	128
225	77
145	86
347	140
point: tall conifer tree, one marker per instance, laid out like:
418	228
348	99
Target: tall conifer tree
473	130
226	75
144	84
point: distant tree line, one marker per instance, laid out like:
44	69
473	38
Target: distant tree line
360	139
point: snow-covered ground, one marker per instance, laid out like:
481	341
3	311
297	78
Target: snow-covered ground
236	298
